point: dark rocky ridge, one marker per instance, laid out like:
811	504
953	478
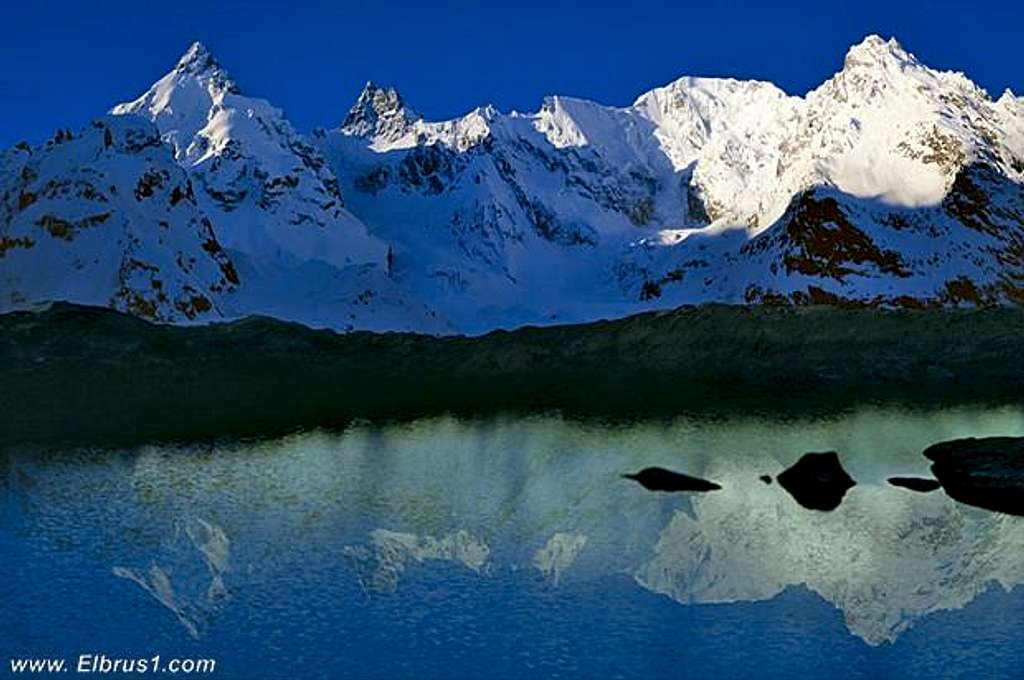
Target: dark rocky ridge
81	374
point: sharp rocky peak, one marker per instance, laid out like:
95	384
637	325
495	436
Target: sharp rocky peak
876	67
199	62
378	112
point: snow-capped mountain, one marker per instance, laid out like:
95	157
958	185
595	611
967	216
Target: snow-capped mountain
491	219
890	184
106	217
270	191
276	205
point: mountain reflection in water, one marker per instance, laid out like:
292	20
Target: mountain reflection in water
198	542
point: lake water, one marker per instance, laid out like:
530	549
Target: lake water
513	548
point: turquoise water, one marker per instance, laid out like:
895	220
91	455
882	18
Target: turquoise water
512	548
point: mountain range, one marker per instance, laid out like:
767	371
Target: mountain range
890	185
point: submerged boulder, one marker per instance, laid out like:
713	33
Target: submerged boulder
660	479
817	481
987	472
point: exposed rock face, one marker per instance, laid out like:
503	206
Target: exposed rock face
817	481
822	242
987	472
660	479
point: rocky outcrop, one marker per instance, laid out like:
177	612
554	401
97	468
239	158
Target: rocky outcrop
987	473
817	481
660	479
919	484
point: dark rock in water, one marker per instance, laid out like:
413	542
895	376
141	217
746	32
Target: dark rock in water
987	473
817	481
660	479
767	479
919	484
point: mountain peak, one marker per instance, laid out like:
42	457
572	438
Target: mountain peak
378	112
198	61
875	50
197	52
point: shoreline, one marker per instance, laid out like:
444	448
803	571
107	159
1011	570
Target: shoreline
75	374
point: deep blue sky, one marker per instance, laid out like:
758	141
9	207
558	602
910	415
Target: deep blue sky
65	62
